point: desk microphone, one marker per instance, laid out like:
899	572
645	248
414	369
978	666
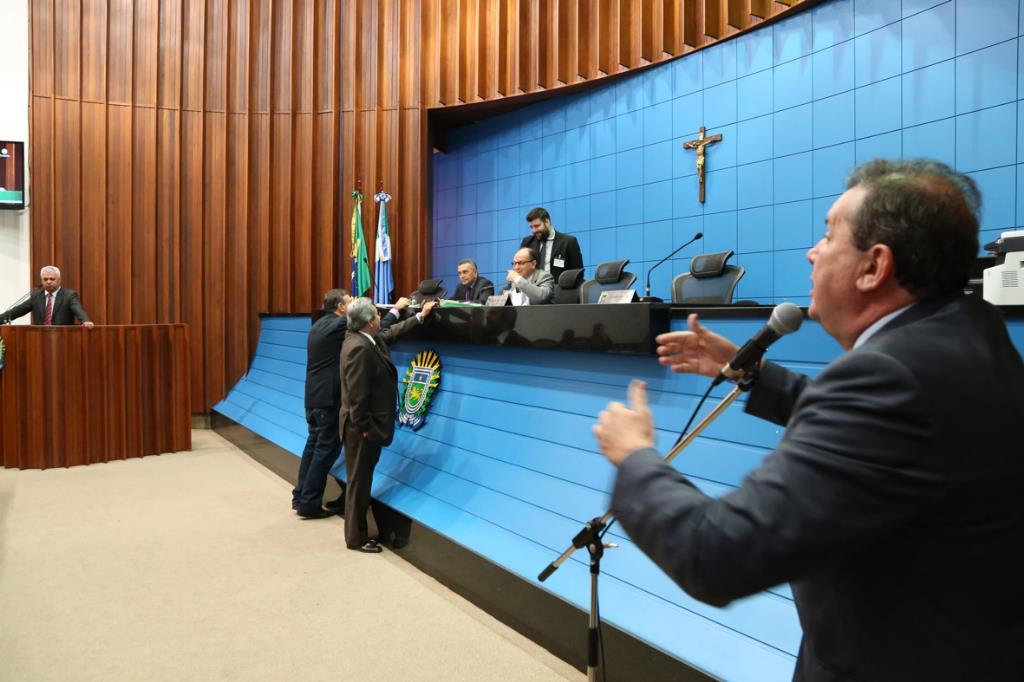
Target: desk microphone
647	298
786	318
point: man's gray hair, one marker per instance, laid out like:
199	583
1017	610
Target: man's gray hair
359	312
470	262
49	268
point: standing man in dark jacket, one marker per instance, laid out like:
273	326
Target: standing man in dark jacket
323	400
50	304
556	251
369	387
892	503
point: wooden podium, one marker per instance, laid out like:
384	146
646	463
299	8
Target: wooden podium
71	396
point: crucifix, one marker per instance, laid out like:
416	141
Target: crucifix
699	144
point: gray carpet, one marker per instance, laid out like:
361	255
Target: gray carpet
191	566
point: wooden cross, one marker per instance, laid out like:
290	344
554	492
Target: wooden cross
699	144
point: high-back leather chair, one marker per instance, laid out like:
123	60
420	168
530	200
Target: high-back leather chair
610	276
709	280
567	288
429	290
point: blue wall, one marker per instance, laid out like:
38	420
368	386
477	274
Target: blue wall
800	103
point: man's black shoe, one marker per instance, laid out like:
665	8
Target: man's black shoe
337	505
319	513
400	541
370	547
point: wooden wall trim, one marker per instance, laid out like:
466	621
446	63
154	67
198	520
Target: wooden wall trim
179	171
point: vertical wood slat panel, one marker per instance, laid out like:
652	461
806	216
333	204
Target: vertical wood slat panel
41	41
120	36
93	279
145	52
119	214
94	51
67	48
467	46
713	18
213	250
143	214
68	190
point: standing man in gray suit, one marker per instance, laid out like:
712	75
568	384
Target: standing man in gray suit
369	392
892	504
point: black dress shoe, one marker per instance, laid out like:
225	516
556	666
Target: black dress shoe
337	505
318	513
370	547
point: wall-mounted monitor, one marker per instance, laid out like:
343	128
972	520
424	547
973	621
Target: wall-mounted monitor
12	175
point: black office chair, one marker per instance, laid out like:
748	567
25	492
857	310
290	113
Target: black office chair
430	289
710	281
610	276
567	288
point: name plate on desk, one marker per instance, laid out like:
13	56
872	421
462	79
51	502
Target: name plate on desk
618	296
498	299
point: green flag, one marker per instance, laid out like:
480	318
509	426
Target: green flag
360	261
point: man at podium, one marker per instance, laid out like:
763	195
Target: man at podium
50	304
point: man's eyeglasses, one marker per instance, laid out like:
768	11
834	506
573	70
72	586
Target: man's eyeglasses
521	262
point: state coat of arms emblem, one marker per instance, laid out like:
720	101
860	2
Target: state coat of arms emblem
422	378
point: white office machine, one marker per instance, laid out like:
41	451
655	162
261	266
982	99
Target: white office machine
1004	282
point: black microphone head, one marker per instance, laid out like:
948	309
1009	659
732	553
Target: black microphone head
698	236
786	318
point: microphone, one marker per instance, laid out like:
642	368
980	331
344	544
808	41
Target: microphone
4	318
786	318
647	298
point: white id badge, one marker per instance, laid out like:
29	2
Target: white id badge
558	262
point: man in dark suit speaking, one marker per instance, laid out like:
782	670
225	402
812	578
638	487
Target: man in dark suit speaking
369	390
892	503
50	304
556	251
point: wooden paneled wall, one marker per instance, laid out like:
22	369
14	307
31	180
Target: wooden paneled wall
185	164
402	58
185	153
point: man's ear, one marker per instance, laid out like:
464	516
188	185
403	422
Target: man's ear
877	269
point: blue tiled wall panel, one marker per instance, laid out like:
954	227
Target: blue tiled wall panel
799	103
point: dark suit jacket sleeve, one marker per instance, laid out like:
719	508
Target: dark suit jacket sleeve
387	320
76	308
573	255
858	461
397	331
776	393
17	311
485	289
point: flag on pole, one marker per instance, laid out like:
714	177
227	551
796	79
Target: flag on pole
360	262
382	265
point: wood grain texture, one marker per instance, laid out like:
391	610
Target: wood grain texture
185	167
192	160
124	392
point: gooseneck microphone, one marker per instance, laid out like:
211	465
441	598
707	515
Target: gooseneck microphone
786	318
5	315
647	298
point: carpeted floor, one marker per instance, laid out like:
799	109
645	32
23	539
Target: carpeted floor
191	566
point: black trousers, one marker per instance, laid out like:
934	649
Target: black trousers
321	451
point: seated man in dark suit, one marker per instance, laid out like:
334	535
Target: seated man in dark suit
472	287
556	251
892	503
50	304
528	285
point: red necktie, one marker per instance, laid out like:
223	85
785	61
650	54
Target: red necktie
49	309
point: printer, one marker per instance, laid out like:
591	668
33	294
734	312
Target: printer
1004	282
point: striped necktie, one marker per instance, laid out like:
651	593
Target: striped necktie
48	318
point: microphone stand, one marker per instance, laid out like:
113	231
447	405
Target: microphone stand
647	298
590	535
4	319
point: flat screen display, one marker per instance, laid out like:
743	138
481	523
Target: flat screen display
12	175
